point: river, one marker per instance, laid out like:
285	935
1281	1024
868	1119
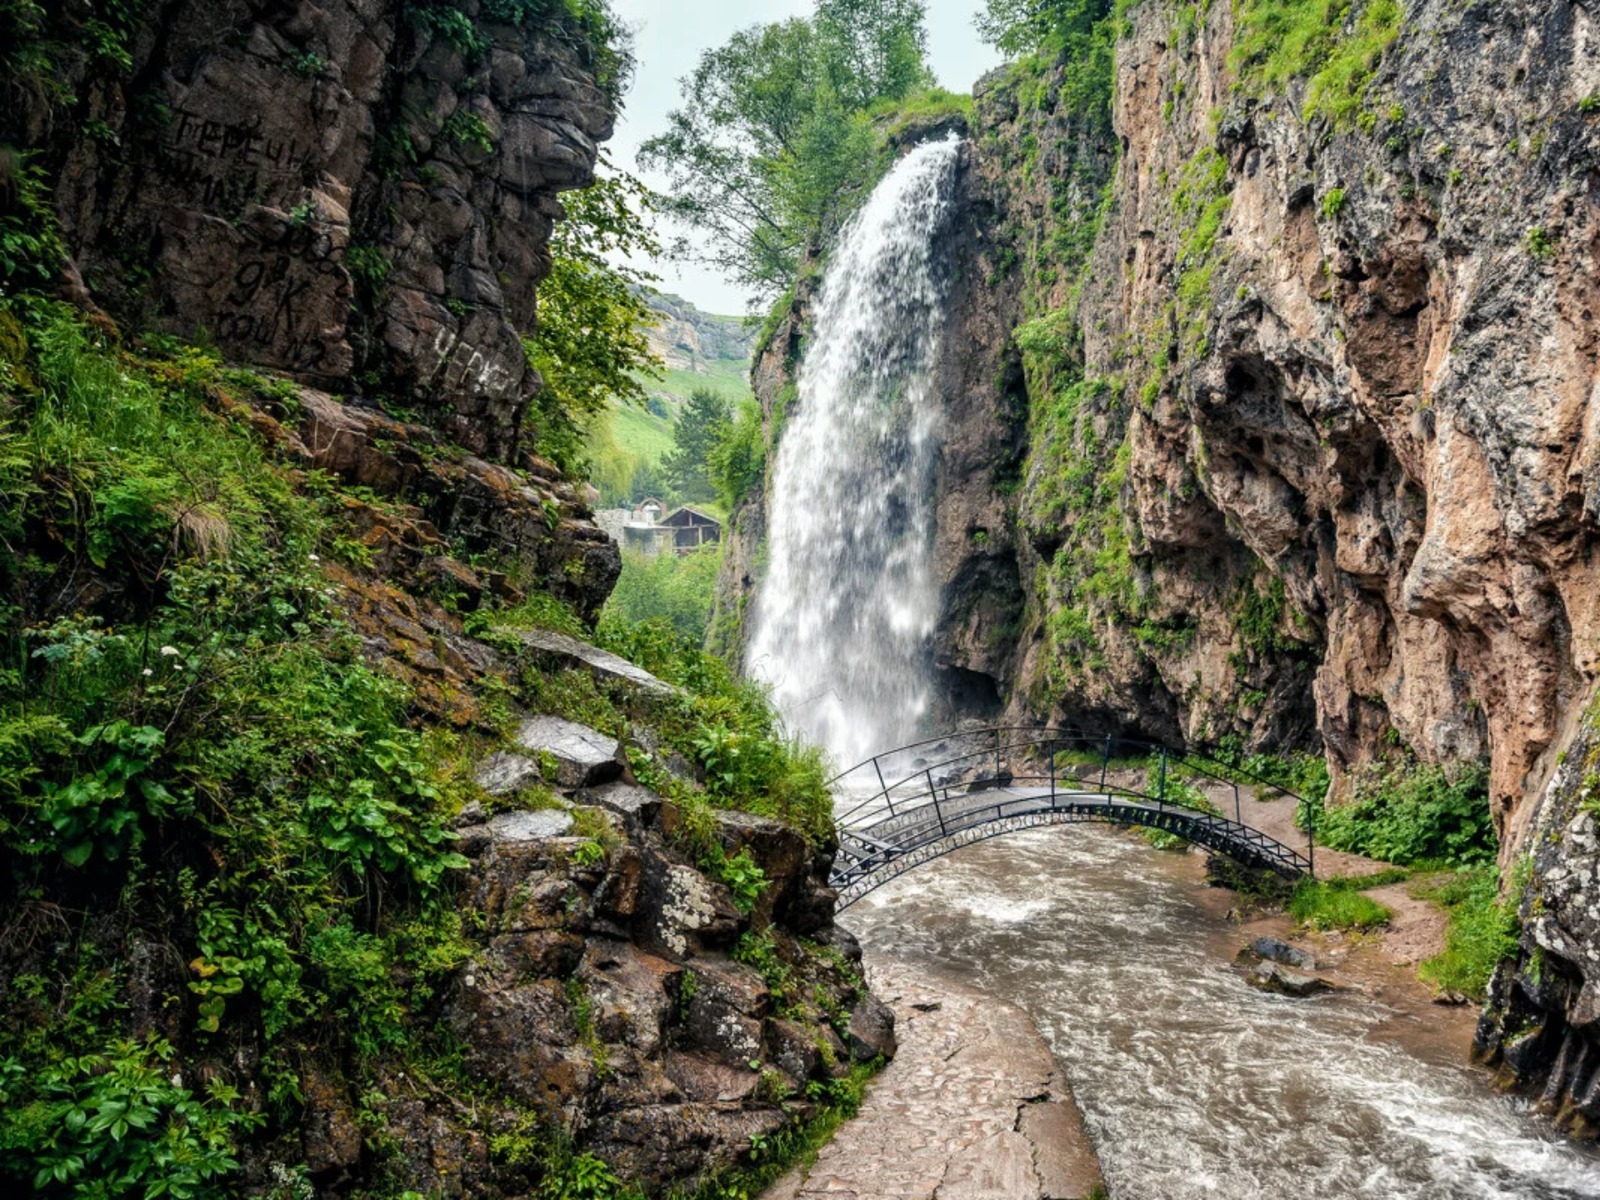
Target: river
1193	1085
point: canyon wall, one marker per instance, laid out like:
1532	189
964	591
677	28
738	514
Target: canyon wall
1272	418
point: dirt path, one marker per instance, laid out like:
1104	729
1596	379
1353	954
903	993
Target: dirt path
971	1108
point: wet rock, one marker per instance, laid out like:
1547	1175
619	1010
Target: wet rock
1280	980
680	909
562	651
331	1135
630	993
1271	949
794	1048
638	805
703	1078
530	826
504	773
871	1032
583	757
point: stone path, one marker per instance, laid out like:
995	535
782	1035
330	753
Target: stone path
971	1108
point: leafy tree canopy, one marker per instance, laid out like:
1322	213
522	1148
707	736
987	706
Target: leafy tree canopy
773	139
590	344
1018	27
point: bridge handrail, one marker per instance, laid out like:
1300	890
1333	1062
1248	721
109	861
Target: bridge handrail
1224	775
1056	740
926	818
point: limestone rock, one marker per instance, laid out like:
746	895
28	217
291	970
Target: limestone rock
565	651
638	805
583	757
530	826
502	773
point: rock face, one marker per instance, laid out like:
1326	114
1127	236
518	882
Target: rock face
687	339
617	999
337	191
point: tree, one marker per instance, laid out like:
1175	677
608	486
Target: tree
1017	27
590	345
700	426
773	140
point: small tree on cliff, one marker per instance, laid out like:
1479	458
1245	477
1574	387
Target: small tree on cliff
590	344
773	139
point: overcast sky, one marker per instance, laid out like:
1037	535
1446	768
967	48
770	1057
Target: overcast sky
669	36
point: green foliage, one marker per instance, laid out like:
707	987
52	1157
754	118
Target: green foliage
738	461
1336	904
700	427
726	727
206	740
1333	202
1483	930
1539	243
1403	812
30	243
677	589
591	347
467	128
117	1123
744	878
1064	28
774	142
1280	40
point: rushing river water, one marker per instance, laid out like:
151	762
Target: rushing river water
1193	1085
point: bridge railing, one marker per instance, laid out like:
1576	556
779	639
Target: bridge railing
897	780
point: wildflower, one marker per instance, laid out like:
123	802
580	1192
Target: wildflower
313	558
169	652
148	672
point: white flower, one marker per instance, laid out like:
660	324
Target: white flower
313	558
148	672
169	652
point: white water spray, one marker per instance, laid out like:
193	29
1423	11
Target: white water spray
844	615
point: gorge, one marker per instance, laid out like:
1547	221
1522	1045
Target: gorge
1218	377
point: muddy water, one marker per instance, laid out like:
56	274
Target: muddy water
1194	1086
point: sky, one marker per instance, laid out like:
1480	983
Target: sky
669	36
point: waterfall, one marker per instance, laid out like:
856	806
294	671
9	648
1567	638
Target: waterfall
843	618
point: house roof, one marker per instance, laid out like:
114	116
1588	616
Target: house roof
690	512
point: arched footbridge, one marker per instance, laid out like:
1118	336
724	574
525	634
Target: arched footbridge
909	806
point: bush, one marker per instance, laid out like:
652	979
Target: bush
738	461
1404	813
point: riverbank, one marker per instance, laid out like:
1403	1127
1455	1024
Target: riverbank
1193	1085
973	1107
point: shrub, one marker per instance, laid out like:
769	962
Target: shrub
675	588
1405	813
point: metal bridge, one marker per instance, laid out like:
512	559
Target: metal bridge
953	791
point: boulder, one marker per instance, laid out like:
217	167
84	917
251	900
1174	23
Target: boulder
560	650
1271	949
1281	981
583	757
504	773
871	1031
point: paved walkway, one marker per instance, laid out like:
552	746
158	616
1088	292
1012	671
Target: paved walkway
971	1108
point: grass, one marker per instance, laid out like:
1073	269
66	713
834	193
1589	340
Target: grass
1482	930
1338	904
1281	40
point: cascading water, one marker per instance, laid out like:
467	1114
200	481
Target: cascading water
843	618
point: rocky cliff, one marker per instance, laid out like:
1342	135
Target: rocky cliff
1271	384
398	893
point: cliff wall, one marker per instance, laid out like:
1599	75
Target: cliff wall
377	915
